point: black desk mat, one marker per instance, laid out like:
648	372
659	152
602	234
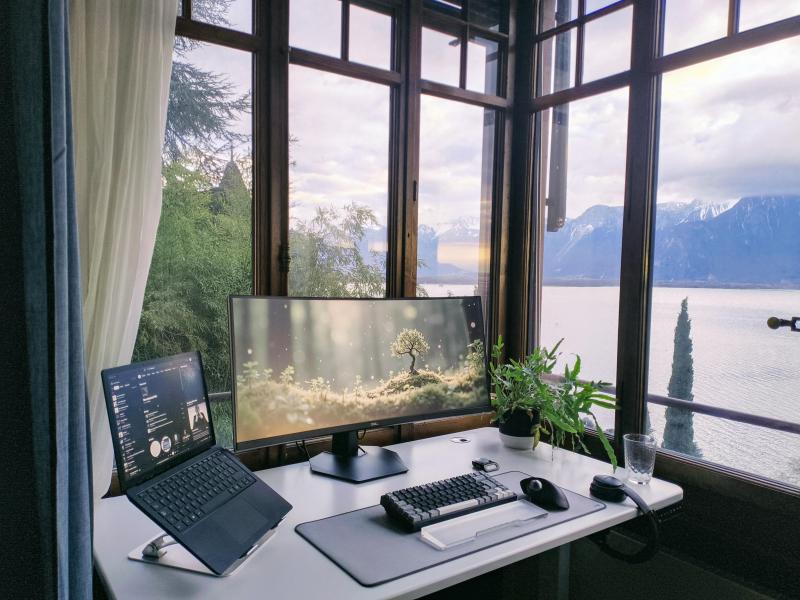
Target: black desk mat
366	545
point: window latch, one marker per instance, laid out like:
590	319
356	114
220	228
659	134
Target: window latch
284	258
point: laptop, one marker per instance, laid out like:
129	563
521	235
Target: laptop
170	467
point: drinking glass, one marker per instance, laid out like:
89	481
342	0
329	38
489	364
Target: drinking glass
640	456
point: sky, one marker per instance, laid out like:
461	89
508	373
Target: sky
729	128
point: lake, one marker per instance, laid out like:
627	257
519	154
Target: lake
739	362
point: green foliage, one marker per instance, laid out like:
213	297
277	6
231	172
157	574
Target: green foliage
202	104
476	357
519	385
679	428
287	376
407	380
412	343
325	257
269	407
201	107
202	254
222	418
561	405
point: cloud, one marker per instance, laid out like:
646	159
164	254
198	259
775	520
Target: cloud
729	127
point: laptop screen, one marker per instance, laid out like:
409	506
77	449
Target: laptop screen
159	415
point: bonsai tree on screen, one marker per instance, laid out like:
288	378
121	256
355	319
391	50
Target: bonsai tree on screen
412	343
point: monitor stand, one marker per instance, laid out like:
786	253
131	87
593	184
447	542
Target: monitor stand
346	461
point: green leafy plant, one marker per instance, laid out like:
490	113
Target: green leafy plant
561	405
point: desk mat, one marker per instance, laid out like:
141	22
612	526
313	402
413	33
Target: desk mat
370	548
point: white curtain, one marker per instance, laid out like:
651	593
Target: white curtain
121	59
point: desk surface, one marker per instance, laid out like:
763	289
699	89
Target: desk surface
289	567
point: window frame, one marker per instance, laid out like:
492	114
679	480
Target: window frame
515	292
648	64
272	55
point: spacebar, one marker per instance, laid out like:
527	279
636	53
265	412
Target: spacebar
215	502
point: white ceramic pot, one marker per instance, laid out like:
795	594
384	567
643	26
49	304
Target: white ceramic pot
517	442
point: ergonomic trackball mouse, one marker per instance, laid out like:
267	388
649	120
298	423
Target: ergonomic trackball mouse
544	493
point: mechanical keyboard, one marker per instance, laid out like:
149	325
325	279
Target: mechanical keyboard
187	496
415	507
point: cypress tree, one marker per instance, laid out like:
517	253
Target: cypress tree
679	428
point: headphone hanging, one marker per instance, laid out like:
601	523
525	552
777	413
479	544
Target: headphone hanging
611	489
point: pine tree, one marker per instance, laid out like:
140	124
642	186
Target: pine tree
679	429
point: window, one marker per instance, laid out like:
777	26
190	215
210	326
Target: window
607	45
469	56
754	13
726	240
703	133
316	25
338	186
593	47
441	56
583	194
689	23
370	37
557	57
457	147
339	150
231	14
203	246
455	198
310	178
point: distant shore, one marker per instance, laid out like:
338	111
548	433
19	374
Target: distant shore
615	283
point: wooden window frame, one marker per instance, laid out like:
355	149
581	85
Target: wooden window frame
272	55
643	80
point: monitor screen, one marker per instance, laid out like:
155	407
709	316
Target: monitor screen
159	411
306	367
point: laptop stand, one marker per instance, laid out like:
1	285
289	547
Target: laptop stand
155	552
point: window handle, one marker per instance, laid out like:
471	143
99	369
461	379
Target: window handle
775	323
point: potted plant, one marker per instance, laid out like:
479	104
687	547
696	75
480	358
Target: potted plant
518	397
527	403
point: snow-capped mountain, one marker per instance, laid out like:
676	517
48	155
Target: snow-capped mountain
752	241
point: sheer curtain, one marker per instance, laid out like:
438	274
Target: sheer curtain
121	58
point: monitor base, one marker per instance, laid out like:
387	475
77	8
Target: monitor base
374	463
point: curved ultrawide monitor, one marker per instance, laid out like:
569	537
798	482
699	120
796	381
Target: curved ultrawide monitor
309	367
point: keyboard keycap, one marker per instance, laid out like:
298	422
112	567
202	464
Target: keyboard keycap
187	496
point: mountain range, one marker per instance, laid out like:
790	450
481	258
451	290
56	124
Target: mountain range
752	242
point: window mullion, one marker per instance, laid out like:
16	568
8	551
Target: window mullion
733	17
403	237
271	150
345	51
638	225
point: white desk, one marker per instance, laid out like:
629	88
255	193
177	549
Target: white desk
289	567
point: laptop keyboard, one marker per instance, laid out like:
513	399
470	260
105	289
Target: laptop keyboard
187	496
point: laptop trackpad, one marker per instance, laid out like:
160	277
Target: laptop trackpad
241	521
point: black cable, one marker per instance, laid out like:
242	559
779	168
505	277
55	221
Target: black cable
302	447
361	435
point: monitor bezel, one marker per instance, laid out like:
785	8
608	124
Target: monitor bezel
325	431
125	482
